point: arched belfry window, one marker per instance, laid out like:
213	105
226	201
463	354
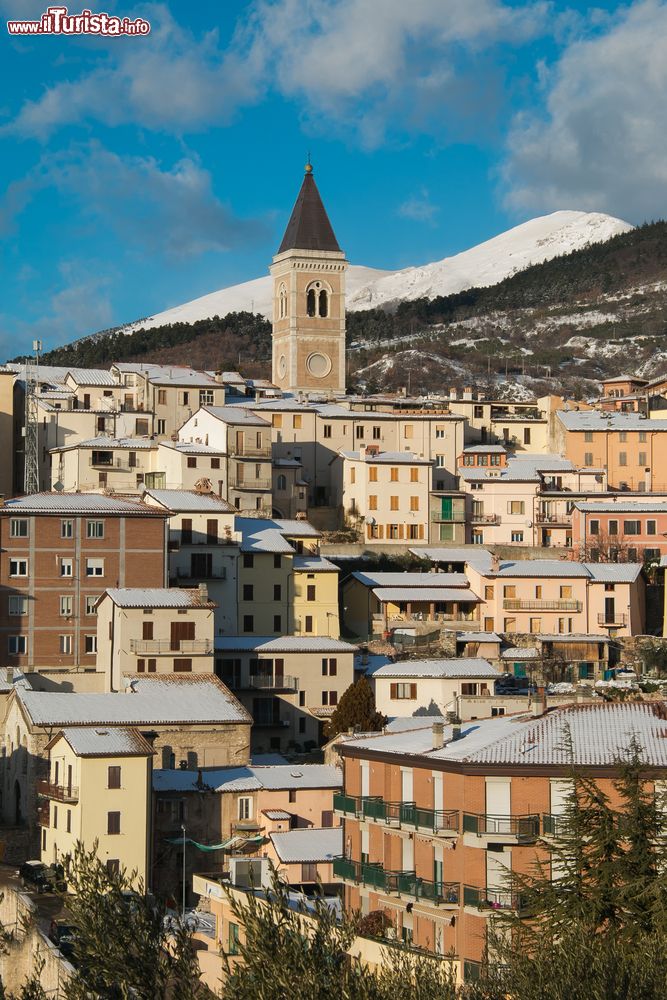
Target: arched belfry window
324	303
310	302
282	302
317	299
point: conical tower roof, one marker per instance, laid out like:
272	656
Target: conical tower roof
309	227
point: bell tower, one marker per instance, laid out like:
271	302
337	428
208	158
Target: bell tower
309	300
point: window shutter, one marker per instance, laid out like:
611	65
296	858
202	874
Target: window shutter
400	530
393	690
413	690
421	530
380	531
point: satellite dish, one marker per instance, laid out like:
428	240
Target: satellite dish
370	519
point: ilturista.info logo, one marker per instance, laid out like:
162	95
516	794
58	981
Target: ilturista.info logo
58	21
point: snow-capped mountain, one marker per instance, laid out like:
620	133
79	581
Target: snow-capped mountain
486	264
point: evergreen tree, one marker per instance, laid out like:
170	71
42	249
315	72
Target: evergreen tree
356	710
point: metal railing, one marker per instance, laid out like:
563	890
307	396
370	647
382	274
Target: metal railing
484	518
552	824
249	484
63	793
564	518
374	808
525	827
404	883
263	682
245	451
456	517
165	646
512	604
612	620
490	899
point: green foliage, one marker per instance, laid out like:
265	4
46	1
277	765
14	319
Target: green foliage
653	655
356	710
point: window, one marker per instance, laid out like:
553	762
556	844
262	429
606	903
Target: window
66	645
588	458
248	592
18	528
613	527
245	807
66	606
192	462
329	666
233	943
632	527
373	502
440	432
162	397
113	823
516	507
535	625
206	397
66	529
69	821
538	592
478	538
353	475
377	433
526	435
407	431
277	623
95	529
248	623
623	436
642	458
113	776
309	624
488	593
566	591
622	458
310	592
393	474
185	398
393	503
372	473
182	665
18	567
90	643
414	475
308	871
277	592
588	437
55	817
326	431
403	691
517	536
94	567
248	560
478	412
642	437
302	699
17	645
277	420
414	503
509	590
277	562
594	527
651	528
18	605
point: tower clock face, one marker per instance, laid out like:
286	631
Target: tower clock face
282	366
318	364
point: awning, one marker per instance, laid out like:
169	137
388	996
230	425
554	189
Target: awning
425	595
233	844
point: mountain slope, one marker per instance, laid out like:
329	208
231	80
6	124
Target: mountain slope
490	262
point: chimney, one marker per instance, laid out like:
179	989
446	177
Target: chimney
456	733
203	593
364	656
362	452
540	703
453	393
495	563
647	480
467	392
10	674
438	735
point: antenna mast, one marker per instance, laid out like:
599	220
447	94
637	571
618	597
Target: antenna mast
31	471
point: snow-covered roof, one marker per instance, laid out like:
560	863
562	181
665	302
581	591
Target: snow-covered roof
477	637
77	503
542	567
131	444
476	556
622	506
313	564
600	735
18	679
179	699
387	458
189	501
614	572
157	597
308	846
284	644
91	376
248	778
111	741
597	420
236	415
399	594
520	653
441	669
412	579
265	535
485	449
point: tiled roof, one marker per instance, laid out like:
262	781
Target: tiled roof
313	564
462	667
520	653
309	227
18	680
622	506
308	846
133	444
186	501
275	814
297	529
477	637
236	415
614	572
273	777
394	594
596	420
476	556
166	700
284	644
387	458
116	741
412	579
76	503
485	449
91	376
157	597
542	567
191	448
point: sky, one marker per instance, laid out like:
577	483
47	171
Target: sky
137	173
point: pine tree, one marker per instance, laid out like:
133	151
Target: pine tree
356	710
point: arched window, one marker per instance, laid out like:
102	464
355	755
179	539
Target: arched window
282	483
324	303
310	302
282	302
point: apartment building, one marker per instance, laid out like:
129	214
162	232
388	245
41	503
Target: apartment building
245	439
385	494
183	465
631	447
620	529
522	426
169	394
191	721
121	465
7	379
60	552
289	684
436	822
148	630
97	795
238	807
411	687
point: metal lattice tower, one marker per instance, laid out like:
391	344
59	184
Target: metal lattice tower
31	455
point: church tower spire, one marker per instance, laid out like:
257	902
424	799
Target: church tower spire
309	299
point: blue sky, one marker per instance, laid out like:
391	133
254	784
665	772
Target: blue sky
138	173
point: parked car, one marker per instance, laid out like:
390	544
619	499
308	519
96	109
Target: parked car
63	935
39	877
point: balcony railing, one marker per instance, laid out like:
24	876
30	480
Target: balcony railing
245	451
563	518
510	604
484	518
263	682
490	899
63	793
163	647
428	819
404	814
526	827
270	722
551	825
249	484
402	883
456	517
612	620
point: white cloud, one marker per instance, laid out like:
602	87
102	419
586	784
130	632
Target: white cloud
601	143
419	208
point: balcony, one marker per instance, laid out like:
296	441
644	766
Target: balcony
564	519
489	899
480	829
252	485
400	814
62	793
164	647
510	604
484	518
433	820
551	825
245	451
612	620
406	884
456	517
263	682
270	722
44	814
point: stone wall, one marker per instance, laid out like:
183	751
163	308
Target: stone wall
29	948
